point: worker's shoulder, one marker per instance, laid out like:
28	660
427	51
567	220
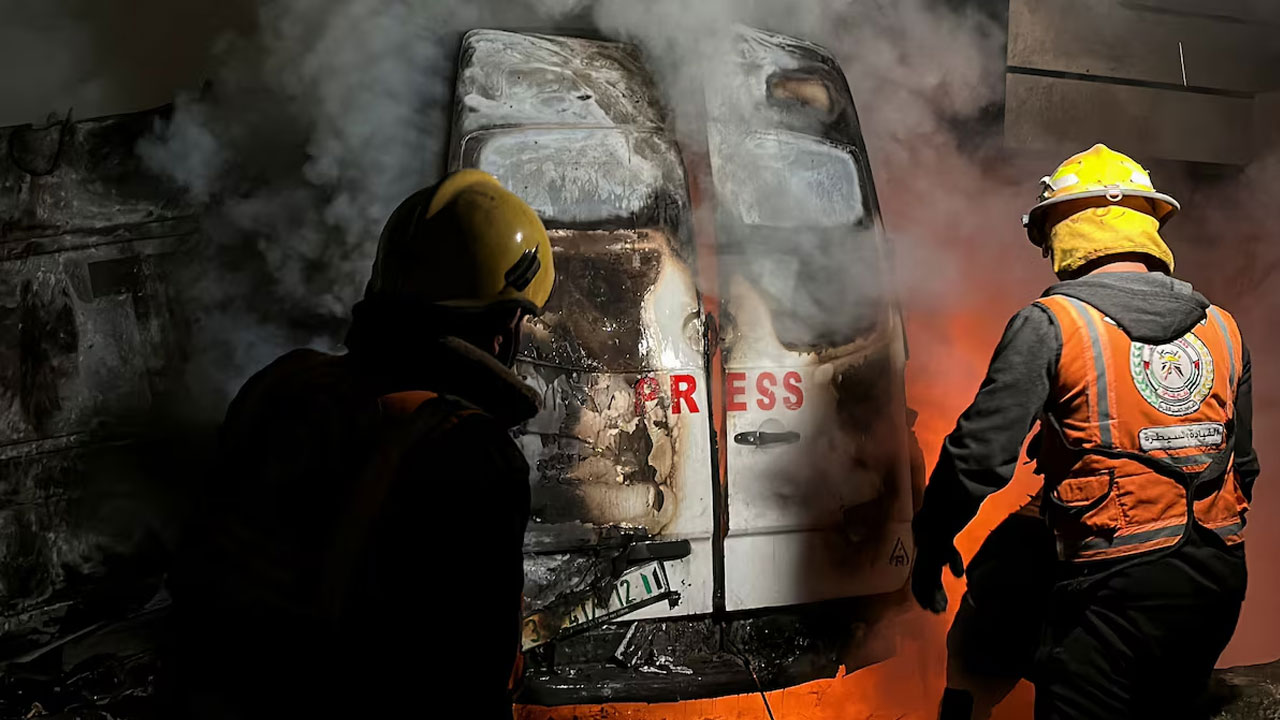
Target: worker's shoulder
449	425
1225	313
472	422
295	383
1036	316
301	367
1043	306
443	413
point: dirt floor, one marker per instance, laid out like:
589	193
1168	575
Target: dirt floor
109	673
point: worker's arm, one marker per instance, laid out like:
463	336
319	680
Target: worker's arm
1246	458
979	457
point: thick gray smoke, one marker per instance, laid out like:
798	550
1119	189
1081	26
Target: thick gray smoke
309	134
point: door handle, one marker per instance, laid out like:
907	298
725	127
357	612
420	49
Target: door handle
761	438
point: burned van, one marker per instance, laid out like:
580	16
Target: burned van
720	473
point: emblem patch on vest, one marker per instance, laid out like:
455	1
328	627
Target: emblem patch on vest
1175	378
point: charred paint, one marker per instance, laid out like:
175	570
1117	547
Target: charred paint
47	345
594	319
517	78
600	455
603	460
89	338
66	177
597	463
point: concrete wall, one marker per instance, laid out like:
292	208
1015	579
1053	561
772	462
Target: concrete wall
1171	79
100	57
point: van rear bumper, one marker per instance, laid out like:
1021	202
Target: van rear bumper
703	656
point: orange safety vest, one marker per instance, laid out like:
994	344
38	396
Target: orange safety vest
1139	439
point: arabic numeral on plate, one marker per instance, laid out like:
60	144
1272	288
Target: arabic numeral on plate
627	584
647	589
617	592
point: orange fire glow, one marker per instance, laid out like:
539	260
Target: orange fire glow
949	358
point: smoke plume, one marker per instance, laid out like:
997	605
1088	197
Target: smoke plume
308	135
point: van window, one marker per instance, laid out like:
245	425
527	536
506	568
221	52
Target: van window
585	177
595	319
804	238
787	180
613	199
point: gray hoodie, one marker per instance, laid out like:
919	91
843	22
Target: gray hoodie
979	457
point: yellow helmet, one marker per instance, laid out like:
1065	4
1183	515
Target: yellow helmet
467	243
1097	177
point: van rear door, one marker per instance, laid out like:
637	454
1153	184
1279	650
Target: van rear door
818	477
620	454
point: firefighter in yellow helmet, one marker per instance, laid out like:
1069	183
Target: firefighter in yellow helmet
1118	586
360	554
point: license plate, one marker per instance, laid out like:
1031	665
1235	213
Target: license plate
638	587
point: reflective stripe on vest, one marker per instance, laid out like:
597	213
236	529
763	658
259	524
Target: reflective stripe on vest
1140	436
1102	399
1231	346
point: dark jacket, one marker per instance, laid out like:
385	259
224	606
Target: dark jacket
979	457
429	598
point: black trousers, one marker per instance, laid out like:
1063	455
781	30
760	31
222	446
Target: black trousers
1131	642
1140	642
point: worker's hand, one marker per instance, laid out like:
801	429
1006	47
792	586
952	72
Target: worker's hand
926	574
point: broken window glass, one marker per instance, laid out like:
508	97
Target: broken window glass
613	200
585	177
596	318
783	179
795	223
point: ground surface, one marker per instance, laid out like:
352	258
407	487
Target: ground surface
1248	692
109	673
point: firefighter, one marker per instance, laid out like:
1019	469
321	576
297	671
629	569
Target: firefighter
1142	390
360	554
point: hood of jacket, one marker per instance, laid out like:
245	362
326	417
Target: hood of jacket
1151	307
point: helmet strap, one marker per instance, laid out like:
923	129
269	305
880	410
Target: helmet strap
509	343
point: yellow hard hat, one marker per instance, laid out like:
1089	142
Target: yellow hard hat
467	243
1097	177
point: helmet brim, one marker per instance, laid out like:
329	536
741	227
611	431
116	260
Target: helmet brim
1164	206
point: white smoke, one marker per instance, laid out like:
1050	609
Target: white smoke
309	134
